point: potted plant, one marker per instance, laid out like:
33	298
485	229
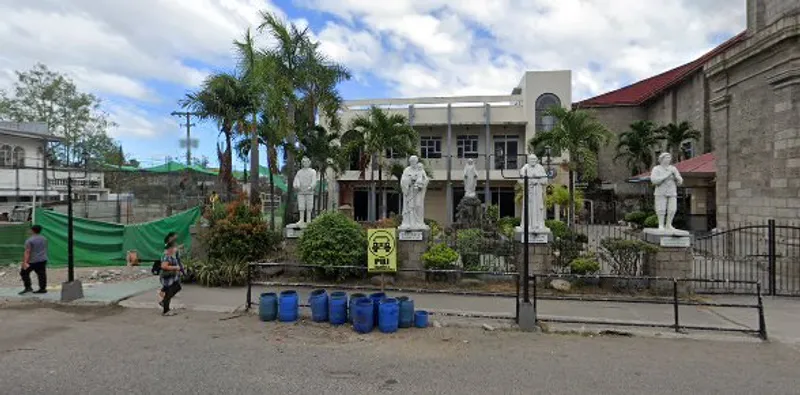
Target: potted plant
585	266
440	257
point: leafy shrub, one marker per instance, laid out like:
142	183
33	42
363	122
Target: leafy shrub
493	213
506	225
436	229
651	222
559	228
238	231
636	217
469	243
332	239
390	222
625	256
440	256
220	272
584	265
565	251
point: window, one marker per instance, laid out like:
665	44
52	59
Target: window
5	156
430	147
467	146
546	122
19	157
391	154
687	149
506	151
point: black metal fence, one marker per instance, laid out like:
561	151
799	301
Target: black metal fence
535	280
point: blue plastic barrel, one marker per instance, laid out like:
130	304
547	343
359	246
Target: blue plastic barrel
288	306
389	317
376	299
319	305
406	312
337	308
362	317
421	319
352	304
268	306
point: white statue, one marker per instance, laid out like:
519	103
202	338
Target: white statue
414	182
305	183
537	179
470	179
332	186
666	178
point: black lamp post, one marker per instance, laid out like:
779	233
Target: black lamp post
72	289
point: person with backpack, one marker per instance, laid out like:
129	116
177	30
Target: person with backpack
171	270
171	237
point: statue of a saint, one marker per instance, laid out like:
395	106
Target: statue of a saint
537	179
666	178
470	178
305	184
414	183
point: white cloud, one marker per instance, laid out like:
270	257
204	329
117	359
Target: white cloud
134	122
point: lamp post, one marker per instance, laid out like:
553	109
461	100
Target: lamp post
73	289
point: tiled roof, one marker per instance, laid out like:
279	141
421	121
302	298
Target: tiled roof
640	92
703	165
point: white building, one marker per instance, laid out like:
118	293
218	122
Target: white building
493	130
25	176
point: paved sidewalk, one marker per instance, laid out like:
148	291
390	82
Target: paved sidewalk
783	320
96	293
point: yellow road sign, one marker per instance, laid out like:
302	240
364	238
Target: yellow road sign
381	251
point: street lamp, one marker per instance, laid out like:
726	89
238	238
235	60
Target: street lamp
72	289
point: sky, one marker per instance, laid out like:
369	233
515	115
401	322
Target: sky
142	56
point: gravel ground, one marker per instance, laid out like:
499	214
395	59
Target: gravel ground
68	350
9	275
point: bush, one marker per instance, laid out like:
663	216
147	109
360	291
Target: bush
469	243
440	256
237	231
651	222
332	239
506	225
636	217
558	228
565	251
219	272
624	256
584	265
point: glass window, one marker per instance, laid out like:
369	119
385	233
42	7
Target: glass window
430	147
546	122
5	156
506	150
19	157
467	146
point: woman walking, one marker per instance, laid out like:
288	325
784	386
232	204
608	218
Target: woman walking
171	270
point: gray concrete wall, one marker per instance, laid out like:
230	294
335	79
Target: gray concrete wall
618	120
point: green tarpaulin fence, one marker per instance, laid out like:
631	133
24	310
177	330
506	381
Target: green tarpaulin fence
101	244
12	242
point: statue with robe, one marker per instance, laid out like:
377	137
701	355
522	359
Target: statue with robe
537	181
470	179
414	184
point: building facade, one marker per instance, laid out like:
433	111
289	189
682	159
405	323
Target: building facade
491	130
25	176
744	97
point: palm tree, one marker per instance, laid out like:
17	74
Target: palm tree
582	136
224	99
676	135
372	134
636	146
320	146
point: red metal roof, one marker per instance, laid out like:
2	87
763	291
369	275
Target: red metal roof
703	165
640	92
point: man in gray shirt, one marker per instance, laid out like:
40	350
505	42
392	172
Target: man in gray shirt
35	260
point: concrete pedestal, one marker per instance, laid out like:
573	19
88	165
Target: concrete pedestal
292	257
293	231
72	290
673	259
527	317
411	244
540	258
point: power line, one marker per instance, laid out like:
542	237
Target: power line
189	141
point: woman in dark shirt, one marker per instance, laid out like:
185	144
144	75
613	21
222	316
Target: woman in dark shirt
171	270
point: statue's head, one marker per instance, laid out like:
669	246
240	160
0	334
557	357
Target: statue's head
665	159
413	160
533	160
306	162
470	162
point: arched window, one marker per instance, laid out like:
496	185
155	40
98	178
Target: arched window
19	157
39	156
5	156
545	122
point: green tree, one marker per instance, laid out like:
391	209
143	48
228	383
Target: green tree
371	135
675	135
226	100
582	136
43	95
637	146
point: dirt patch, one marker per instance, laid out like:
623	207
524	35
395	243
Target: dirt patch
9	275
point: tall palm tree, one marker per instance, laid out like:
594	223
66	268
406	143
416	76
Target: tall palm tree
319	146
675	135
579	133
224	99
637	146
372	134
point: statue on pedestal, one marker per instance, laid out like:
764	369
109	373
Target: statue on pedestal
414	184
469	211
470	179
305	184
537	180
666	178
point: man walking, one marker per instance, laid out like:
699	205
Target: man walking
35	260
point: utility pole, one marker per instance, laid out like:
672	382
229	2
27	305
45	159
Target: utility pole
188	142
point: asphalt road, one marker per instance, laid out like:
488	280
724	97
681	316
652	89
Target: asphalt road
58	350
